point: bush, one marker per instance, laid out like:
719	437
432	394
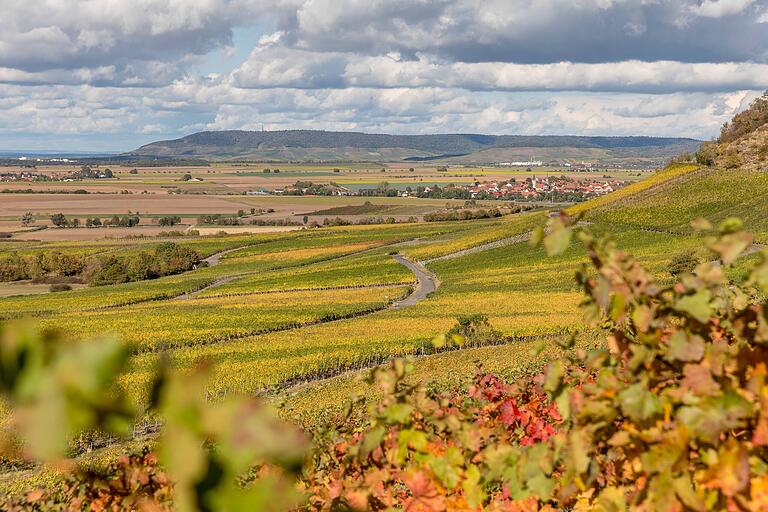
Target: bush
53	390
27	219
59	220
683	263
747	121
166	259
462	214
169	220
60	287
707	154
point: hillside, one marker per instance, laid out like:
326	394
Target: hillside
727	182
304	145
743	142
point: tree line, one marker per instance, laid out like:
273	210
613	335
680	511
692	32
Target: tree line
164	259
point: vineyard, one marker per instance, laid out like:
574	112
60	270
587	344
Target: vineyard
719	194
273	309
299	315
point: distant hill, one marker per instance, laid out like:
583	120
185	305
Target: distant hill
317	145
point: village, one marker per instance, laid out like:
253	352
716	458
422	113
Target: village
549	187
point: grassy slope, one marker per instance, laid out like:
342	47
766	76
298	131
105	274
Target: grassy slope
710	193
660	178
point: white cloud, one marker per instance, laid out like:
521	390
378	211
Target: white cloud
42	35
720	8
152	129
113	69
269	67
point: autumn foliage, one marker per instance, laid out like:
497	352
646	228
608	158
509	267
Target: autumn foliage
671	414
427	451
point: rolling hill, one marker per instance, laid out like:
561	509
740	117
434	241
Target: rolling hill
317	145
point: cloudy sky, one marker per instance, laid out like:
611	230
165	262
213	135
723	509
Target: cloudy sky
109	75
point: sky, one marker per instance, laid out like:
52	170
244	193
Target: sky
111	75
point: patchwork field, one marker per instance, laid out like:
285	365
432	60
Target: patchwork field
226	189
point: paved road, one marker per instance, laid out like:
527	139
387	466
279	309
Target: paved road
426	283
215	259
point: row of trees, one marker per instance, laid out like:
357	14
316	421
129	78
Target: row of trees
365	221
61	221
464	214
165	259
35	266
130	220
86	172
169	220
308	188
218	220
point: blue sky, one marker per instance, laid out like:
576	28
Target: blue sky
112	75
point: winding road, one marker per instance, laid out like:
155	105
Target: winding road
523	237
426	283
212	261
215	259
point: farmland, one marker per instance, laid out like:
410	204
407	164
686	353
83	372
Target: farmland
284	311
223	189
350	256
284	305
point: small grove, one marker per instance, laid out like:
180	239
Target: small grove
164	259
670	412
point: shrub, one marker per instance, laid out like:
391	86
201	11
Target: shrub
167	258
707	154
27	219
472	328
60	287
57	389
59	220
683	263
747	121
169	220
